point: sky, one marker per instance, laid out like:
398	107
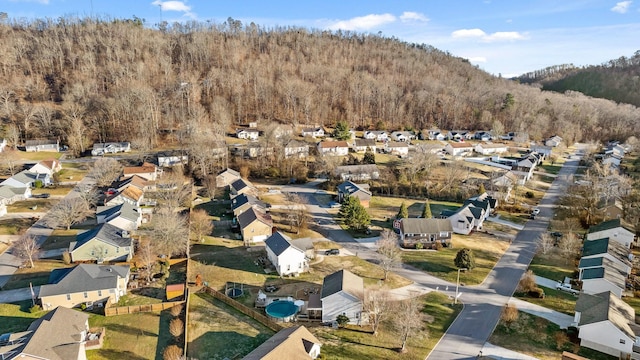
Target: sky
502	37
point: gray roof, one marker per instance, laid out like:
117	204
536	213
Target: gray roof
590	262
10	191
25	177
242	199
240	184
351	188
606	306
124	210
104	232
252	215
83	277
278	243
40	142
342	280
230	171
365	142
425	226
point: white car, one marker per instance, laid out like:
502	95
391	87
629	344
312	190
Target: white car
535	211
567	288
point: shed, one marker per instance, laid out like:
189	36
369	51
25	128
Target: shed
174	291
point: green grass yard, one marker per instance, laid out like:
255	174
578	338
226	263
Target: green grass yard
15	226
39	275
552	267
557	300
31	205
59	239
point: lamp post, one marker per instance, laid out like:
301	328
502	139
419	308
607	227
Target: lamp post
455	299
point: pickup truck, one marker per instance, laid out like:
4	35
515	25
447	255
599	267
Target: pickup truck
567	288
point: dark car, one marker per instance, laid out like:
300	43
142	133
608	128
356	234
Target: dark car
332	252
42	196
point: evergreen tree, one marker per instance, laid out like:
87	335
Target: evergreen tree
369	157
353	214
426	212
465	259
342	131
404	212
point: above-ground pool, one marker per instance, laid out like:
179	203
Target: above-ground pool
281	310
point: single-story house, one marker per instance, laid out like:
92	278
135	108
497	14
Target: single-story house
84	283
342	294
483	136
137	182
542	149
60	334
10	194
364	145
124	216
607	324
404	136
147	170
255	225
611	160
458	148
610	249
488	149
289	343
243	202
361	191
333	148
110	148
226	177
396	148
28	179
599	279
50	167
610	208
286	258
314	132
248	134
296	148
105	242
242	186
42	145
171	158
131	195
357	172
553	141
414	231
380	136
614	229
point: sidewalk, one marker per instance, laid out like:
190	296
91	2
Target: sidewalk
558	318
551	284
496	219
500	353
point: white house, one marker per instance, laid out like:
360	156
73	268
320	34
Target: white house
27	179
458	148
333	148
553	141
285	257
488	149
248	134
46	167
42	145
124	216
110	148
364	145
314	132
3	209
342	294
612	229
606	248
542	149
296	148
376	135
147	171
466	219
396	148
404	136
10	194
172	158
607	324
599	279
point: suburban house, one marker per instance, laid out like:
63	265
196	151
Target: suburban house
611	160
131	195
361	191
10	194
614	229
428	232
104	242
357	172
524	169
602	262
458	148
553	141
289	343
137	182
483	136
610	249
285	257
598	279
380	136
147	170
244	202
296	148
110	148
610	208
255	225
542	149
466	219
333	148
242	186
314	132
607	324
84	283
396	148
58	335
124	216
364	145
28	179
404	136
46	167
248	134
488	149
226	177
42	145
3	144
171	158
342	294
218	149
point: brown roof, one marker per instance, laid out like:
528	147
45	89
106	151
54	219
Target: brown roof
332	144
460	145
289	343
51	163
144	168
132	193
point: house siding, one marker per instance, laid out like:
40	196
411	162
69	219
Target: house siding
596	286
109	252
620	235
605	337
51	302
340	303
291	261
256	232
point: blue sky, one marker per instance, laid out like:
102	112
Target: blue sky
507	37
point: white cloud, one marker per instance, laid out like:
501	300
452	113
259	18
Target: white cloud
468	33
412	16
363	22
478	59
621	7
178	6
483	36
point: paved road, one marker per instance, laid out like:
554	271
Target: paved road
483	304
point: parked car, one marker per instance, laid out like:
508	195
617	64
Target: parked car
535	211
567	288
332	252
41	196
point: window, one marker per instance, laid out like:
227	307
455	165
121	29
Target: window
117	250
622	341
99	292
93	253
86	295
68	297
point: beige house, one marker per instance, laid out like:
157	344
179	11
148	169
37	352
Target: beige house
103	243
255	225
84	283
227	177
289	343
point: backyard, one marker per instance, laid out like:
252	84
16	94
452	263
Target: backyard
39	275
15	226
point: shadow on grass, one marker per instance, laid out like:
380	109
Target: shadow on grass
217	343
165	339
114	354
231	258
125	329
58	242
18	281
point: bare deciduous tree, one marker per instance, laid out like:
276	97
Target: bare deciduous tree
378	305
527	282
173	190
9	161
176	327
407	319
146	256
545	243
68	212
200	224
568	246
27	248
171	233
88	194
105	171
298	214
172	352
390	251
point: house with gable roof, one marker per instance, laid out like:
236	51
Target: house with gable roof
553	141
488	148
287	258
377	135
247	133
333	148
610	249
110	148
428	232
362	172
295	148
227	177
361	191
131	195
342	294
255	225
10	194
124	216
289	343
42	145
105	242
314	132
147	171
27	179
243	202
614	229
458	148
607	324
364	145
472	214
171	158
70	287
49	167
242	186
598	279
399	148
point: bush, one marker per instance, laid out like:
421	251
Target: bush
38	184
537	293
176	327
527	283
342	320
419	246
437	245
35	309
176	310
509	314
172	352
528	195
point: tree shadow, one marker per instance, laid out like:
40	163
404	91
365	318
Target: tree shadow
125	329
216	343
230	258
115	354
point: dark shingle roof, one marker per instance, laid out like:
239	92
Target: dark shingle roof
350	188
606	246
425	226
104	232
240	184
83	277
124	210
252	215
608	225
278	243
242	199
342	280
591	262
606	306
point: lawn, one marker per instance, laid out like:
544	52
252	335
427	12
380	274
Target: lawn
552	267
383	208
214	326
39	275
31	205
133	336
217	210
15	226
634	302
72	171
16	317
538	337
39	155
358	344
53	190
59	239
551	169
557	300
487	251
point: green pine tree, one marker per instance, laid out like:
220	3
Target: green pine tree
342	131
404	212
369	157
426	211
465	259
354	215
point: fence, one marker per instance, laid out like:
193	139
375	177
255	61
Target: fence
122	310
244	309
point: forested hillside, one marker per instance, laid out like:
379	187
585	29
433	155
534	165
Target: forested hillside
617	80
87	80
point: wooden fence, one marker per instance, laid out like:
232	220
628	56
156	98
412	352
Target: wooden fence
122	310
263	319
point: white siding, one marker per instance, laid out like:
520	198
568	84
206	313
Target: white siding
596	286
605	337
341	303
620	235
